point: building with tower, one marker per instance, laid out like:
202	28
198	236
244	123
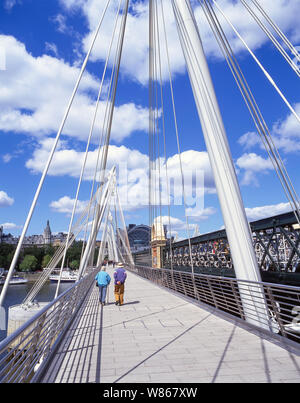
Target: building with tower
47	234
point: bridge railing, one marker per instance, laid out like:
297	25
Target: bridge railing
231	295
276	241
24	353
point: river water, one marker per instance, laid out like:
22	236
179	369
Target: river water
16	294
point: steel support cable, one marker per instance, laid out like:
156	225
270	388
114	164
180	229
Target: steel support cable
102	205
253	108
165	150
51	265
41	281
104	128
272	38
102	245
110	116
102	132
151	118
290	188
179	154
277	29
154	109
158	81
86	154
178	146
150	112
286	178
234	67
123	223
151	50
268	76
207	104
241	215
36	196
55	259
114	90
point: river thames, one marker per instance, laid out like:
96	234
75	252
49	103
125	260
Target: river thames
16	294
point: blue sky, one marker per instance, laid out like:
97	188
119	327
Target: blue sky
44	43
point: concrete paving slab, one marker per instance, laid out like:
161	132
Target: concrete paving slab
157	336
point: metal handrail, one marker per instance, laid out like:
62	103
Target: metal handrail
235	297
23	352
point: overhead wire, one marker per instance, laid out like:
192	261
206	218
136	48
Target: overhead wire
86	153
279	32
208	112
179	152
103	131
268	76
165	148
254	110
48	163
110	103
271	37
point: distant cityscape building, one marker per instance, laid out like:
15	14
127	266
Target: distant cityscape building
47	234
139	237
47	238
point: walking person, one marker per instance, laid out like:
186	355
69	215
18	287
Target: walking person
120	277
102	281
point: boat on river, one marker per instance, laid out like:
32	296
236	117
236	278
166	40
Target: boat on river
67	276
15	280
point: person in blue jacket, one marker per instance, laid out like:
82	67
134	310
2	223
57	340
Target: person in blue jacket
102	280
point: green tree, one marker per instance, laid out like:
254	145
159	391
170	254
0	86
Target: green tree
74	264
29	263
6	254
46	260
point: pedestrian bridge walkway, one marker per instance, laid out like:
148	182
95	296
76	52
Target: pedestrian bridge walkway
157	336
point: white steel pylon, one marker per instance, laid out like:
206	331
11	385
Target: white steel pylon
235	220
103	204
110	225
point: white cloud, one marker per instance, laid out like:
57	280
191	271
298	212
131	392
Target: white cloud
51	48
257	213
135	52
177	224
35	92
68	161
252	165
60	22
9	4
9	226
65	205
132	174
249	140
283	12
254	162
5	200
285	134
200	214
7	157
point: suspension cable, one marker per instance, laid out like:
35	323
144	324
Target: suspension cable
268	76
277	30
179	151
272	38
32	208
249	99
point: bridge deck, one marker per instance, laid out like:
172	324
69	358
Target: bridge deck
157	336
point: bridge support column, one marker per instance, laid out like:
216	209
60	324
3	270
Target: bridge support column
158	242
236	224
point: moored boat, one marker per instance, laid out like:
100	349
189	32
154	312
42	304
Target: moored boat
66	276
